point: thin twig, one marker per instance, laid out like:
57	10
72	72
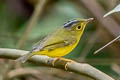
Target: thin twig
79	68
33	20
107	44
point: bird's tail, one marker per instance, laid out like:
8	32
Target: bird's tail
25	57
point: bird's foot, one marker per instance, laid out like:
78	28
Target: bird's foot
64	60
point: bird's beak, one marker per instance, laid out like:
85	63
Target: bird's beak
88	20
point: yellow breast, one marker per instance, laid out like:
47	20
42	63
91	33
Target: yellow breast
59	52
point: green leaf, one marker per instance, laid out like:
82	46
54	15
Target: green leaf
116	9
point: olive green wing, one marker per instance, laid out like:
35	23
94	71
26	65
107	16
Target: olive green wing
52	44
58	39
58	44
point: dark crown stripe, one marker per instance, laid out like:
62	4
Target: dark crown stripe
70	23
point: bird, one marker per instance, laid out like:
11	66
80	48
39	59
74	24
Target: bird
61	42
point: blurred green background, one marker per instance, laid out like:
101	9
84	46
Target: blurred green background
15	17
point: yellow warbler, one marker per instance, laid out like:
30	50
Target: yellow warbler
61	42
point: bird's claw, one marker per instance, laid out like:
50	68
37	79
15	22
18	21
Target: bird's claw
67	61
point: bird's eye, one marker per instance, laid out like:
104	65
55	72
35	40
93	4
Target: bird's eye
78	27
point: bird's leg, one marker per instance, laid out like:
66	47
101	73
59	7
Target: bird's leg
66	61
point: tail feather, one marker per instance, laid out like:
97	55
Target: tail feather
24	58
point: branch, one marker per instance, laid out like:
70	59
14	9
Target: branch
24	72
79	68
